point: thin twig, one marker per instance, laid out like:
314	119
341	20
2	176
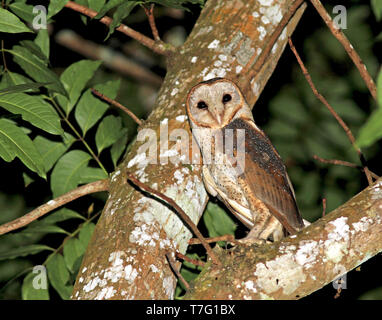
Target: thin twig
181	213
348	47
79	136
332	111
172	263
195	262
344	163
97	186
118	105
3	55
151	18
323	207
156	46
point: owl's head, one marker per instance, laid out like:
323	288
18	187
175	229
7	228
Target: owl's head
215	103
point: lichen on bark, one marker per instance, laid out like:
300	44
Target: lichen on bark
126	255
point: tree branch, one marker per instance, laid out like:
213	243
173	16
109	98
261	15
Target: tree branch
138	121
299	265
111	59
151	18
332	111
97	186
347	46
156	46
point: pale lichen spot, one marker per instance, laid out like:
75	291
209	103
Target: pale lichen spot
194	59
266	3
214	44
249	285
168	285
281	272
262	32
307	253
181	118
264	20
238	69
174	91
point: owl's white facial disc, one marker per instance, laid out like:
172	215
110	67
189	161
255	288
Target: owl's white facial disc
214	103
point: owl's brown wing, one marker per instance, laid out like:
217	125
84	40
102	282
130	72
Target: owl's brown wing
264	176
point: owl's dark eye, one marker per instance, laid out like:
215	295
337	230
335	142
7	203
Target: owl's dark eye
226	98
202	105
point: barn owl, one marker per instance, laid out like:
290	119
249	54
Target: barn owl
245	172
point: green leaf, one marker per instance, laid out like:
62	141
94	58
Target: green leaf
121	13
41	228
28	291
371	130
86	233
21	87
10	23
109	131
217	221
23	251
43	42
73	252
379	89
50	150
35	50
34	110
15	143
36	69
118	148
61	215
109	5
74	79
11	79
55	7
96	5
23	10
90	174
66	174
59	276
90	108
27	179
377	8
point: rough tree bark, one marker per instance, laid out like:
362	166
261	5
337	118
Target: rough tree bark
126	256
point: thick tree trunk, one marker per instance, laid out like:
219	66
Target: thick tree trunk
234	39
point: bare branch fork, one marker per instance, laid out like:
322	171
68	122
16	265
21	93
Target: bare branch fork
156	46
150	15
332	111
97	186
345	164
172	263
181	213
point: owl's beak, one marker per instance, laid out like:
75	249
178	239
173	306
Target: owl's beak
219	118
